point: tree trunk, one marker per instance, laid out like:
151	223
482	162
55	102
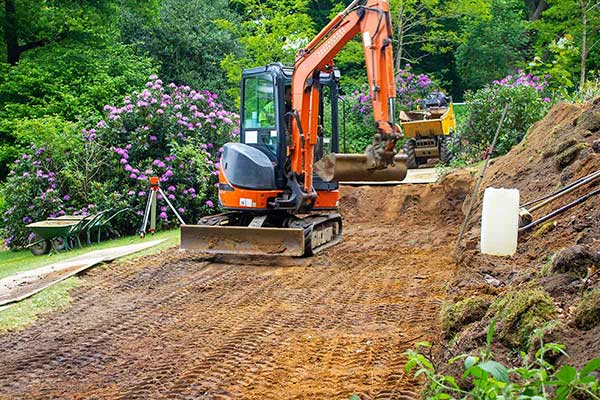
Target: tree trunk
537	14
584	50
398	62
13	51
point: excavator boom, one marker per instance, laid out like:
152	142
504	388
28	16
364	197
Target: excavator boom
372	21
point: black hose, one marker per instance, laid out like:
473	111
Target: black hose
560	210
597	173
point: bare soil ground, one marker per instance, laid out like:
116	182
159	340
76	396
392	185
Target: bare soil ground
180	326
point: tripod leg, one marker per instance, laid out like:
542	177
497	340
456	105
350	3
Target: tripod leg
172	208
146	214
153	212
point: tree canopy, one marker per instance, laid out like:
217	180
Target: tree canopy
63	60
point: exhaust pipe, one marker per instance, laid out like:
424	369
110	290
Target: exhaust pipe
356	167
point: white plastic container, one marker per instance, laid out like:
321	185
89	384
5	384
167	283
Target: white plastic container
500	221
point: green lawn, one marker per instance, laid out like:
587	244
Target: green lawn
12	262
20	315
27	311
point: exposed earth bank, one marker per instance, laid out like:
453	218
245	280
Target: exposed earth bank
552	280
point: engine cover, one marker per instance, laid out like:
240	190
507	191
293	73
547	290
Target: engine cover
247	167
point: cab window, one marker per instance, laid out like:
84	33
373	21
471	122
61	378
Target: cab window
259	102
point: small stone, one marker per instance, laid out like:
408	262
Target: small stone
490	280
596	146
566	176
576	260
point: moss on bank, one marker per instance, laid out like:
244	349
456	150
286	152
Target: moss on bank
519	312
456	315
587	313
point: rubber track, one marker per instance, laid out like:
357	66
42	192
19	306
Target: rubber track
185	328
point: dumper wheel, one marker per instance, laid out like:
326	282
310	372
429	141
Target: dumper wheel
445	153
409	149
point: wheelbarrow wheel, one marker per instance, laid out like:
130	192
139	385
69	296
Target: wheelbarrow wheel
59	243
39	246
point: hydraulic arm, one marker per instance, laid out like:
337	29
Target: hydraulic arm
372	21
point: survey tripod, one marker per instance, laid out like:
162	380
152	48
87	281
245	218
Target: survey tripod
150	212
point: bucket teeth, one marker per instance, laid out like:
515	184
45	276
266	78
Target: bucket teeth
356	167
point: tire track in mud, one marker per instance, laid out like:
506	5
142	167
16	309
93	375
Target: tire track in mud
180	327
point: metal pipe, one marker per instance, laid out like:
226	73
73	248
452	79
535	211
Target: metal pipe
560	194
560	210
577	183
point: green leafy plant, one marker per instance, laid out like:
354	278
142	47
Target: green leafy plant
528	102
590	90
559	67
485	378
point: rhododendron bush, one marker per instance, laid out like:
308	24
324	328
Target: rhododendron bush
411	90
528	101
173	132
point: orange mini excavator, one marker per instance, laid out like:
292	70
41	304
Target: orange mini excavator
279	184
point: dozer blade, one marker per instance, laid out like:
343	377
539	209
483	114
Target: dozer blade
355	167
243	240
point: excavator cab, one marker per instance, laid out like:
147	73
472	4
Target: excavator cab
262	200
266	116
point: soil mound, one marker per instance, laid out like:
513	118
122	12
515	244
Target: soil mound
440	203
556	151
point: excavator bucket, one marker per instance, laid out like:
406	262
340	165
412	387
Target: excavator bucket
243	240
355	168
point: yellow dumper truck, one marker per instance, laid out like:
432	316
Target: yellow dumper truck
428	129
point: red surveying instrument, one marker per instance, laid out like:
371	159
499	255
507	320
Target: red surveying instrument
150	212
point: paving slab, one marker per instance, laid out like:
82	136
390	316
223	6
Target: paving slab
27	283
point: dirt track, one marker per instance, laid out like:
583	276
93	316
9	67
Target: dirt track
192	328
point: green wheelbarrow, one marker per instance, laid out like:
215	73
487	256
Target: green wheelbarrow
54	234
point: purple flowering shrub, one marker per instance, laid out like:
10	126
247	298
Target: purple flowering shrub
32	194
411	89
528	100
171	131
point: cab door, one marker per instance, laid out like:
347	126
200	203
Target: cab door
261	112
